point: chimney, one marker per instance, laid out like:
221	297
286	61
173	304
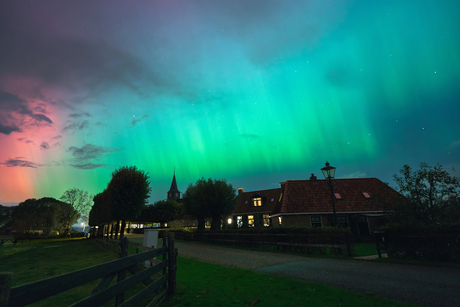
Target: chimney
313	178
282	186
240	191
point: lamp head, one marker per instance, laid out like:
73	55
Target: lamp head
328	171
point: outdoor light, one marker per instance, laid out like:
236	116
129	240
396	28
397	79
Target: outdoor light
229	221
329	173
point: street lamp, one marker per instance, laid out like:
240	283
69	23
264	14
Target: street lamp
329	173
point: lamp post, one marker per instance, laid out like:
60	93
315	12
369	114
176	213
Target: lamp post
329	173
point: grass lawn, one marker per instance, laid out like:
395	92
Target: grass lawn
365	249
47	258
204	284
43	259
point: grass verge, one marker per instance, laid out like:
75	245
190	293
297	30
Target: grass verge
48	258
44	259
204	284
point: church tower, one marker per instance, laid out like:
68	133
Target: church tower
173	193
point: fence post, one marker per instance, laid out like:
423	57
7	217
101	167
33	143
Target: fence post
172	265
164	234
5	286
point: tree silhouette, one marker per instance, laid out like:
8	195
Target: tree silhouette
432	192
129	190
209	198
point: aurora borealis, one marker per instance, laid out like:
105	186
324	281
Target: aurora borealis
255	92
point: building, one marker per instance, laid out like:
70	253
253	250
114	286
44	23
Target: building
253	209
361	204
174	193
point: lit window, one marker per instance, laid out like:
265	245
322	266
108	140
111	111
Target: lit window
315	221
257	202
266	220
239	221
250	220
366	195
337	195
229	221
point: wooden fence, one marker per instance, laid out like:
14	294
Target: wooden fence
337	241
427	246
159	278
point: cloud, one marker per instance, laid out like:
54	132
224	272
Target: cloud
455	144
90	151
134	121
357	174
76	61
44	145
76	126
78	115
84	155
25	141
91	166
15	114
7	129
20	163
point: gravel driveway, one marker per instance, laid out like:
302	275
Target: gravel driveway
431	286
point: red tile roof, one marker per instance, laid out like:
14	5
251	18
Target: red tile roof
269	199
307	196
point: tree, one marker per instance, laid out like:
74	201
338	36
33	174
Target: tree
209	198
6	215
129	190
101	212
162	211
433	194
27	214
50	211
80	202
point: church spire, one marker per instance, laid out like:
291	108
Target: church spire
174	193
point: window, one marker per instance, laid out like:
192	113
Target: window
315	221
229	221
337	195
239	221
342	221
250	220
266	220
366	195
257	202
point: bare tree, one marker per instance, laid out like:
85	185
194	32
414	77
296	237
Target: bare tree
81	202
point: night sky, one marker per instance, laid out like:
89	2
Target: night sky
255	92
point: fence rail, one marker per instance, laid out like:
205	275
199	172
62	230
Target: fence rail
309	241
163	286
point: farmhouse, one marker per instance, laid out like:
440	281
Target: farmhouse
361	203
